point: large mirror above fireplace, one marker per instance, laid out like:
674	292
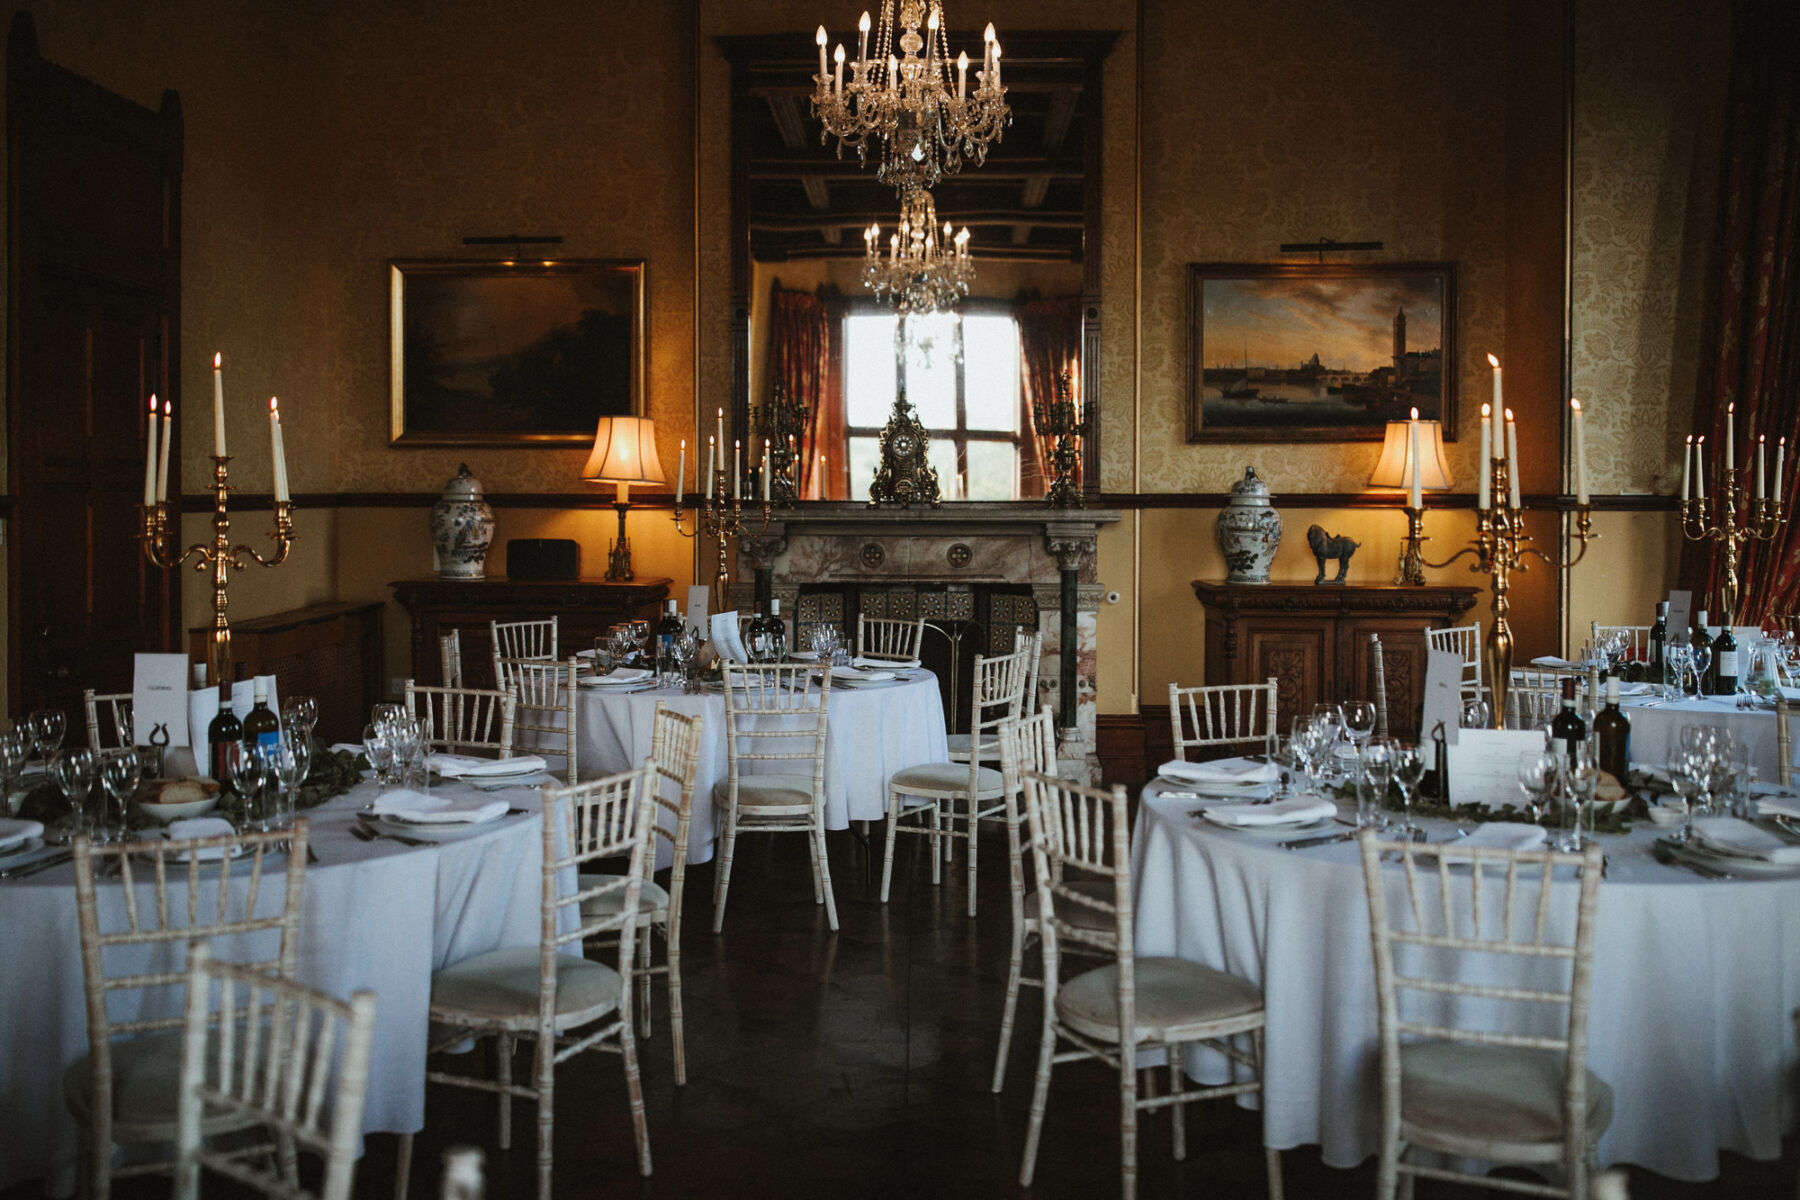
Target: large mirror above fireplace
806	329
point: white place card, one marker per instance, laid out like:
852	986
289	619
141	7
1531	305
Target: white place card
1484	765
725	637
159	699
698	600
1443	695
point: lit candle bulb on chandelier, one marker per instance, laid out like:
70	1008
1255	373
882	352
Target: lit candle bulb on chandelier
862	45
819	37
837	83
962	76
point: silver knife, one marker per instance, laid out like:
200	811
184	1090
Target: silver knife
1322	840
36	865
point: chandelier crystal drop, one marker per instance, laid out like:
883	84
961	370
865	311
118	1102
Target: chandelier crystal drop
923	270
923	126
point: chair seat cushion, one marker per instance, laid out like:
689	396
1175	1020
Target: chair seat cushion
1174	998
653	900
947	777
767	791
146	1088
502	985
1505	1093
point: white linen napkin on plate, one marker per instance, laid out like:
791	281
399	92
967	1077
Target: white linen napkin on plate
18	832
1729	835
416	806
619	676
1282	812
459	766
202	827
1551	662
888	664
1212	772
1502	835
861	675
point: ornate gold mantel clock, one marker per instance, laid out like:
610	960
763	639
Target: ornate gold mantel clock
905	476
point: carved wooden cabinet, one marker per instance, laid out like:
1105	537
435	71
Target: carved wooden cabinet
584	609
1315	640
331	652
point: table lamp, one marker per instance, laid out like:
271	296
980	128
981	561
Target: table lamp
624	453
1396	469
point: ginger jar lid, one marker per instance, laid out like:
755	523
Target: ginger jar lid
1249	489
464	487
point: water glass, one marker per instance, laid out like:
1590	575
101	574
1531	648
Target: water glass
1538	775
300	712
248	772
1374	771
1409	770
74	772
120	773
1475	714
47	727
1358	717
380	753
408	740
289	768
1579	777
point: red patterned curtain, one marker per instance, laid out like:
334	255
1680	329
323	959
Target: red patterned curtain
1049	344
1753	359
801	360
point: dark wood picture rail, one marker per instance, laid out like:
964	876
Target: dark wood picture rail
1127	501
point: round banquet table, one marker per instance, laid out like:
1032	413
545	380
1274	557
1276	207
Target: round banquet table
1695	986
1655	724
872	731
381	915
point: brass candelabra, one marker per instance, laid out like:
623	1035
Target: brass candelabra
719	517
158	530
1500	547
1717	517
1061	420
784	427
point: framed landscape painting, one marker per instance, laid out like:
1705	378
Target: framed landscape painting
514	353
1327	352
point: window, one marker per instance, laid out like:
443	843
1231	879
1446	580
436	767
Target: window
961	372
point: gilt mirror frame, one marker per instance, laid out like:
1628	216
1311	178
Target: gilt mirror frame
755	58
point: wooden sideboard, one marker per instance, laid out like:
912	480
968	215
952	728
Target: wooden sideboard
1315	640
583	608
331	652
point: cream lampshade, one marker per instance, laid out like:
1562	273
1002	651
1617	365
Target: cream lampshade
1395	466
624	453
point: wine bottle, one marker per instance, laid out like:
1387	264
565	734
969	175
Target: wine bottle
1568	731
261	730
667	631
1658	644
1702	641
777	631
223	732
1725	663
1613	730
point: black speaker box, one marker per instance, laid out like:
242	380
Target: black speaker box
542	558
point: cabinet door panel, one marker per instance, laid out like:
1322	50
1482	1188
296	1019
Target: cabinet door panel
1298	654
1403	657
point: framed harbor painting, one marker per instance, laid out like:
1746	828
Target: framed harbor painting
1326	352
514	353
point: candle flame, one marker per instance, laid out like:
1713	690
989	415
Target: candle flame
1493	362
1574	404
819	37
1762	439
1731	408
1509	416
1690	439
274	408
217	361
153	404
165	410
1415	414
1486	410
684	443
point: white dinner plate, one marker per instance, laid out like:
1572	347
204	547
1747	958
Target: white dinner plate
1738	864
621	677
1289	829
1219	788
19	851
16	832
440	832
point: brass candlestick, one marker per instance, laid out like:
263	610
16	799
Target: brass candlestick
1060	420
784	426
1500	547
158	531
1716	517
719	518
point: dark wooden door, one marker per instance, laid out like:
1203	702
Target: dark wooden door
93	288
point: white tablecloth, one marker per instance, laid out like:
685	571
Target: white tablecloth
872	731
379	915
1695	984
1655	727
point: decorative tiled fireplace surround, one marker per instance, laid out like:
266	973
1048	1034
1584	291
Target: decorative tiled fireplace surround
962	555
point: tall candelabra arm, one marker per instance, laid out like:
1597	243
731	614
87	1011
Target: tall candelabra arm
283	535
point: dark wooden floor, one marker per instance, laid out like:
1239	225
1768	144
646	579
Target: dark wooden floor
858	1064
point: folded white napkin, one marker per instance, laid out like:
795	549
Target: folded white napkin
1636	689
1732	836
458	766
1218	772
861	675
1503	835
16	832
193	828
1551	661
1282	812
884	663
435	809
622	675
1768	806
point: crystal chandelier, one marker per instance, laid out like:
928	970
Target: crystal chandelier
904	101
922	270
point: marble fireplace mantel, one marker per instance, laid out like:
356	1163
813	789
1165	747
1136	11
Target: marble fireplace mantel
960	543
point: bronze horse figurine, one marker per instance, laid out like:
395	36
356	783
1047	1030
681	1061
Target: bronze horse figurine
1326	547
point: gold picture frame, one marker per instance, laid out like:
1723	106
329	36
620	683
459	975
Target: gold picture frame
513	352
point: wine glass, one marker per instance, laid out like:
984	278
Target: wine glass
387	713
1579	777
47	727
74	771
619	644
1475	714
380	753
1374	771
1358	718
1538	773
408	740
248	771
288	764
301	712
1677	658
1409	770
120	771
15	750
1687	775
1701	658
